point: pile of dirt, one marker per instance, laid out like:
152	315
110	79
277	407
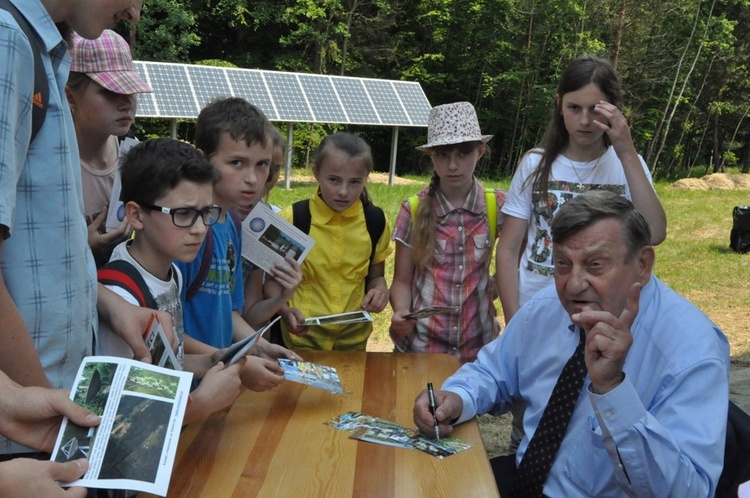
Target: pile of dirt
716	181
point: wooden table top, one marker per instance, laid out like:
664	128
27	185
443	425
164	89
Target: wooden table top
275	443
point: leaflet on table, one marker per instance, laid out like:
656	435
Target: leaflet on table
427	312
376	430
116	209
267	239
158	345
141	407
349	317
240	348
312	374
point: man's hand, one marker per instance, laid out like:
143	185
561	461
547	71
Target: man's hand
32	415
608	340
449	408
259	374
25	477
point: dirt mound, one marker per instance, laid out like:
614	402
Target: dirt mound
716	181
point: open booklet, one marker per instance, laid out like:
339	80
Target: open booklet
241	347
142	407
376	430
267	239
341	318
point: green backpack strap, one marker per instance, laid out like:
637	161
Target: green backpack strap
489	199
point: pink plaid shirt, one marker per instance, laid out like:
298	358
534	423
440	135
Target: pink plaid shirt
459	276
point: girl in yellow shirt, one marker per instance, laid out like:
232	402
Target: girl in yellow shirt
342	272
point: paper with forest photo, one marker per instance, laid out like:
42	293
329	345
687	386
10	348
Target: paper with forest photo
141	407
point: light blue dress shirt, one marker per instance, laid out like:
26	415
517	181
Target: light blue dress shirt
660	433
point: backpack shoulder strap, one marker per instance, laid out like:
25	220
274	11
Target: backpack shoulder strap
375	221
126	276
301	217
208	253
40	99
491	201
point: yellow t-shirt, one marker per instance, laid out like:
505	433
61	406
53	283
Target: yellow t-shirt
333	275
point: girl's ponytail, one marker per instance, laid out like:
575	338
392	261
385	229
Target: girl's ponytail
423	231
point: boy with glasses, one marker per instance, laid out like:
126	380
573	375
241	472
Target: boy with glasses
167	192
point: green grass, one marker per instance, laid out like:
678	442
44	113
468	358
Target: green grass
695	259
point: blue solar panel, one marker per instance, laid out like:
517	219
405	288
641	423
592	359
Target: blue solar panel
172	90
386	101
146	104
414	101
181	91
352	93
322	99
287	96
209	83
249	85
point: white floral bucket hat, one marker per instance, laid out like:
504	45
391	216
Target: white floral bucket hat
454	123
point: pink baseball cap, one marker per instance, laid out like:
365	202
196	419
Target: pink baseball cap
107	61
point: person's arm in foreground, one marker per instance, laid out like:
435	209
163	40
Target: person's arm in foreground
18	356
676	448
403	274
32	416
130	321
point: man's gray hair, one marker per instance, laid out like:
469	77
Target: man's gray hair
594	206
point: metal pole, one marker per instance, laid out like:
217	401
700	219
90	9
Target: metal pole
394	150
174	128
288	166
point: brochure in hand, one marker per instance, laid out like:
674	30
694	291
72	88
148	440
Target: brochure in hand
341	318
376	430
427	312
267	239
158	345
240	348
312	374
141	407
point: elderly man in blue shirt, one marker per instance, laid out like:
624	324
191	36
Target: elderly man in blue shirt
650	419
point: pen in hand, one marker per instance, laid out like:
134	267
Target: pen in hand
433	409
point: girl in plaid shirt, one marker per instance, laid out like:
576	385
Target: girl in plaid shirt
444	249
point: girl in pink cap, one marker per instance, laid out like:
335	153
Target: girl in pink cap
102	90
444	241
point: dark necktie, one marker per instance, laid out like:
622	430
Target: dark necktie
537	460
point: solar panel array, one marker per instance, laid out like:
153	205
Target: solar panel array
182	90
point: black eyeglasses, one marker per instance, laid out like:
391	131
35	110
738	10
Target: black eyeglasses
186	217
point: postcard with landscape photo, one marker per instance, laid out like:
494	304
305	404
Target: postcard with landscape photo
312	374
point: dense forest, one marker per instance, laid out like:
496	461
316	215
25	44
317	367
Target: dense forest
684	64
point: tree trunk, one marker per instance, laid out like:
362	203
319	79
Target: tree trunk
618	38
716	150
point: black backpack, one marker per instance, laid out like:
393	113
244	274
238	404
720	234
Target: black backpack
41	85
